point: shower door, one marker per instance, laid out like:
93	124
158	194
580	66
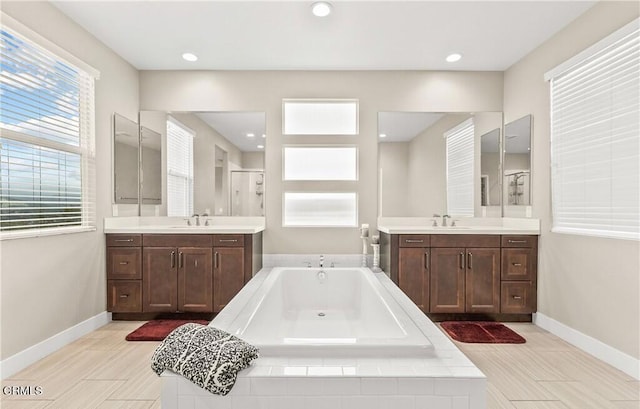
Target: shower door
247	193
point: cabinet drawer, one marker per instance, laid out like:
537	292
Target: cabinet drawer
517	297
124	263
519	241
465	240
518	264
124	295
228	240
124	240
177	240
415	240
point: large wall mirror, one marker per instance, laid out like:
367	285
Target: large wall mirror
223	174
517	167
412	162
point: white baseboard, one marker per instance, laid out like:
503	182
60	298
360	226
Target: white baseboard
23	359
618	359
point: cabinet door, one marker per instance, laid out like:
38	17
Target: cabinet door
195	279
228	275
159	279
482	280
413	275
447	279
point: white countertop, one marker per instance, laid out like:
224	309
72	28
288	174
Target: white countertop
177	225
471	225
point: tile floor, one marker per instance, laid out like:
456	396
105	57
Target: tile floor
103	371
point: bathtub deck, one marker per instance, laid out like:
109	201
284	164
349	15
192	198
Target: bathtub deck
443	379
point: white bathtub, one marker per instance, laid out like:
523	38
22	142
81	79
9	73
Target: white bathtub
328	312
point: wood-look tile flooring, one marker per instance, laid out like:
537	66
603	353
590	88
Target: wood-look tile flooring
102	370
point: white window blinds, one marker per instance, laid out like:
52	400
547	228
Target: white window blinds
47	152
460	151
179	169
595	139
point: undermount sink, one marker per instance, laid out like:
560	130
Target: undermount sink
451	227
190	227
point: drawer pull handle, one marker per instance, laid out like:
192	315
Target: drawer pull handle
516	264
517	241
123	240
215	260
229	240
461	261
173	259
181	259
470	261
426	260
517	297
124	296
413	241
124	263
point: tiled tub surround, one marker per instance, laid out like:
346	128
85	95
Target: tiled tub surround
443	378
178	225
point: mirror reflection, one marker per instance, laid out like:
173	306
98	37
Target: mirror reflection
412	162
126	157
490	168
517	163
223	175
151	167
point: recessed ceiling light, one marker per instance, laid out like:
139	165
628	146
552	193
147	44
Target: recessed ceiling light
260	146
454	57
250	135
264	135
383	135
321	9
190	57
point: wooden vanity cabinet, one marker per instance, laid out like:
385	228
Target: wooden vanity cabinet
177	274
154	274
465	274
228	268
413	269
519	274
124	273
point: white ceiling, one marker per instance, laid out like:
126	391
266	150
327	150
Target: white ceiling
367	35
404	126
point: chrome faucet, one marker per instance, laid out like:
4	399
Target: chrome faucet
444	220
321	261
206	221
435	221
197	216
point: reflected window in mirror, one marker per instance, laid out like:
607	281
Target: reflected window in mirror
179	169
460	165
517	167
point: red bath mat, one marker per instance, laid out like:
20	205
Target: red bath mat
481	332
157	330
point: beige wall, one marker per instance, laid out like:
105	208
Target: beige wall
50	284
252	160
589	284
376	90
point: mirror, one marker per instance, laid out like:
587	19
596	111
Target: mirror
412	162
228	160
490	180
151	169
126	157
517	166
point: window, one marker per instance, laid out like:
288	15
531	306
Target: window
320	209
179	169
460	153
320	163
320	117
47	154
595	139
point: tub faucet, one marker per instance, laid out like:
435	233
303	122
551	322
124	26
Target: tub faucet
321	261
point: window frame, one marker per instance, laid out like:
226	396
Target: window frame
320	146
356	206
85	148
472	140
190	178
286	101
